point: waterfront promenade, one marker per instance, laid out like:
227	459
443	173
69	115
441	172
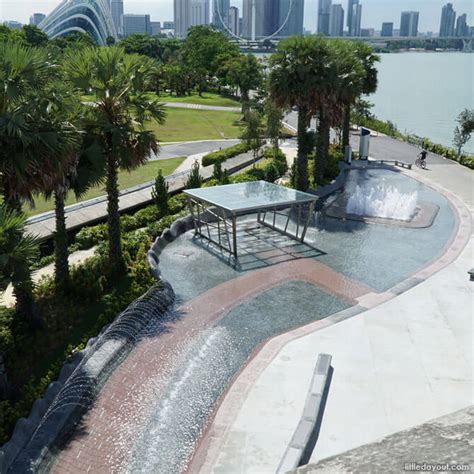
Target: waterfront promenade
404	361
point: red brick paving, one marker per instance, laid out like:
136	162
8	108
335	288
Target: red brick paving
108	430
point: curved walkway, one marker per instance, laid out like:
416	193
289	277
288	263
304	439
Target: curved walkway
403	362
104	440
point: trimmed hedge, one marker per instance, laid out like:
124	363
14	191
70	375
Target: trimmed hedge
223	155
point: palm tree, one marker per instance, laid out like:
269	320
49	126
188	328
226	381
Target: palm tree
17	251
296	80
117	112
365	84
26	145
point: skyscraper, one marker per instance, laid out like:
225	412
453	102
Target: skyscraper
116	8
199	12
182	17
462	28
387	30
136	24
37	18
409	24
266	18
448	18
350	10
324	15
294	25
234	23
336	24
220	14
354	28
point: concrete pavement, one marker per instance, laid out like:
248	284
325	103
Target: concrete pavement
93	210
183	105
402	363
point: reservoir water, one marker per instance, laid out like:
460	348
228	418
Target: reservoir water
423	93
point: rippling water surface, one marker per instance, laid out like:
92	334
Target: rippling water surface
423	93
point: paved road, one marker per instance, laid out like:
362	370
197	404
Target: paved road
446	173
174	150
183	105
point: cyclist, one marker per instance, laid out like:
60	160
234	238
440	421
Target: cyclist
422	156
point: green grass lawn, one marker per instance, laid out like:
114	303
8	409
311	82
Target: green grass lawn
208	98
140	175
190	124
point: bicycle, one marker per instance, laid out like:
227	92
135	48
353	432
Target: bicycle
420	163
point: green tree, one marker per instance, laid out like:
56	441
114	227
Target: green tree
159	193
359	82
217	172
205	49
464	129
143	44
245	73
17	252
26	144
116	117
297	77
274	115
253	133
34	36
194	178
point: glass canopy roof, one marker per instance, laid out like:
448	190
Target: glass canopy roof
249	196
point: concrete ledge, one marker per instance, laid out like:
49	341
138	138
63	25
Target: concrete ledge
299	442
53	416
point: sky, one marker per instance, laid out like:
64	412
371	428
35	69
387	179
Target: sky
374	11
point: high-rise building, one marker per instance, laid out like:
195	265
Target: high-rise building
356	20
336	23
14	25
133	23
182	17
199	12
367	32
350	10
87	16
387	30
324	15
168	25
220	14
293	18
116	9
234	23
155	28
37	18
448	19
462	28
266	18
409	24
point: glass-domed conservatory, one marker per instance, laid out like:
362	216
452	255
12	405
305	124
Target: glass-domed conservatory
86	16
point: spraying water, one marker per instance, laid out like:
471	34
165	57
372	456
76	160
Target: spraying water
382	201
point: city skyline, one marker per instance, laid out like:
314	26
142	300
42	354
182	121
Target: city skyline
375	12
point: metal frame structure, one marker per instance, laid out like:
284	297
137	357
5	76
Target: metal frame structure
224	220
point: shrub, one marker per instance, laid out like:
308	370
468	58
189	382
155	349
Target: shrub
87	237
270	172
177	203
223	155
159	193
194	178
278	158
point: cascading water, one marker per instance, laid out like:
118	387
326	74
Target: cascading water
382	201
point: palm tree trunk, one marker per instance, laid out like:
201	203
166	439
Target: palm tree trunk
301	169
25	303
346	127
322	147
113	216
61	263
